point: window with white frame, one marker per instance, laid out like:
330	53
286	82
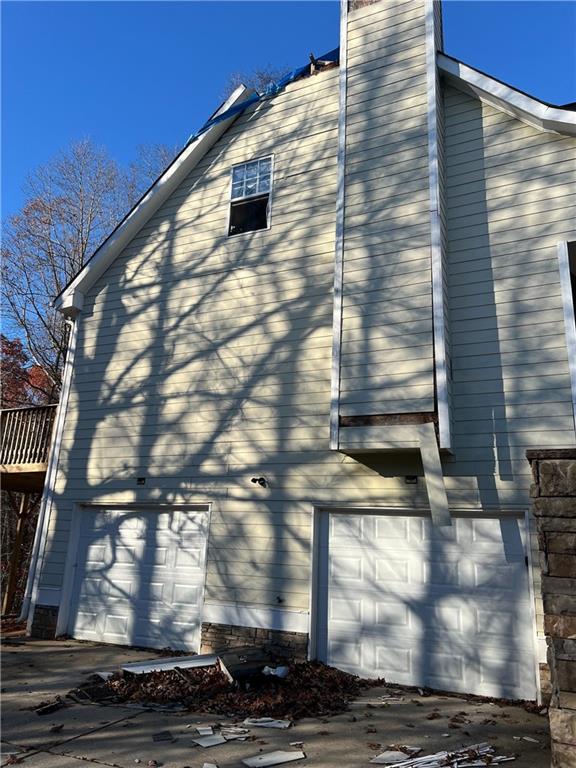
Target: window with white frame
250	196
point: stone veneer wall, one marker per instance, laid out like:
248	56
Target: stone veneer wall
554	507
287	645
44	622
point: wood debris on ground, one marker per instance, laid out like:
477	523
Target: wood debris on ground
475	756
266	722
311	689
48	707
279	757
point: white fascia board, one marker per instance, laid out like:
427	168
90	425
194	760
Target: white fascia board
507	99
70	301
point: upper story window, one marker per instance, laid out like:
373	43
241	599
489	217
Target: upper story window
250	196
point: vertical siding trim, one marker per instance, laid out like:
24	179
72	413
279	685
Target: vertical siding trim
339	241
440	357
32	584
532	593
569	317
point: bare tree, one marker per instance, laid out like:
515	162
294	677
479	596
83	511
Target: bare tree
72	204
259	79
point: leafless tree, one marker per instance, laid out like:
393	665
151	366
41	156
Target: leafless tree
72	203
259	79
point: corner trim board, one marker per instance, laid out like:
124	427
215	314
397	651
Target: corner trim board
439	325
339	237
39	546
569	317
536	649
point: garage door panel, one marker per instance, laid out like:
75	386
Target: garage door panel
394	661
346	569
87	621
439	573
347	611
119	588
392	571
396	530
501	577
186	595
116	624
442	607
186	558
349	653
134	582
346	529
444	670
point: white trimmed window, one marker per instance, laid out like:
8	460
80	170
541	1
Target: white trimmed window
251	185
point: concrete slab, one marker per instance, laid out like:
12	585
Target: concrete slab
121	744
30	731
38	670
350	739
48	760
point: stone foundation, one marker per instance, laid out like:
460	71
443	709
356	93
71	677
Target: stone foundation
554	507
287	645
44	622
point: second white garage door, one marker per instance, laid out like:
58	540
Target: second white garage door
140	577
447	608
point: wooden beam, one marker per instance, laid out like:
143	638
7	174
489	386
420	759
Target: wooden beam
437	497
387	419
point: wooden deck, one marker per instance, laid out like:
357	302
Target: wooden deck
26	438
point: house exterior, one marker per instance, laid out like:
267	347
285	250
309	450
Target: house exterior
304	372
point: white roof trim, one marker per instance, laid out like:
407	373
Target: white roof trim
507	99
71	300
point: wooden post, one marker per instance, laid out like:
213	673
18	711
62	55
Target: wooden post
16	555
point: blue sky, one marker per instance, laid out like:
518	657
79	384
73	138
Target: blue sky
130	73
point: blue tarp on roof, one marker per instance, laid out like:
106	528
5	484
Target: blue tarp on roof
271	90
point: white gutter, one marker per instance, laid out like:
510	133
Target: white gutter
71	299
505	98
39	547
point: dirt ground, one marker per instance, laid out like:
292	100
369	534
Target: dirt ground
35	671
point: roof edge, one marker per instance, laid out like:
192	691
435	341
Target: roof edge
70	301
540	115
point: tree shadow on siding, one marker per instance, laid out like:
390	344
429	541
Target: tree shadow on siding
204	361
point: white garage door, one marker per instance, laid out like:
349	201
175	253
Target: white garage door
447	608
140	577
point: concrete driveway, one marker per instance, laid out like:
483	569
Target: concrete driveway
35	670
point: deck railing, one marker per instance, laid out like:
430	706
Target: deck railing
26	434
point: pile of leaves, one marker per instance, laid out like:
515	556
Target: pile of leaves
311	689
11	625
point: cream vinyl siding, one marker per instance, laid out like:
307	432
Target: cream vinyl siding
510	192
204	361
387	314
